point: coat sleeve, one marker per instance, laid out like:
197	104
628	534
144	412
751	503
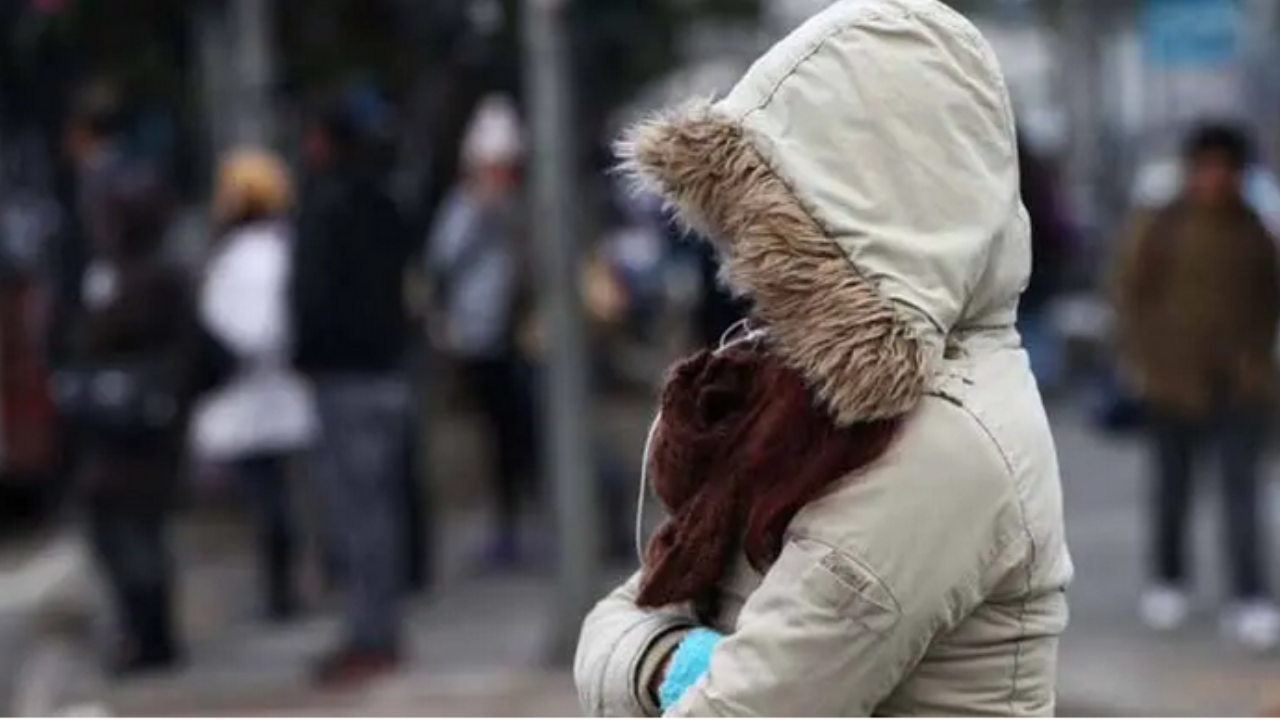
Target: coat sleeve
871	575
620	649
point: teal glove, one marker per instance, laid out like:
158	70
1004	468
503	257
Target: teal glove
688	663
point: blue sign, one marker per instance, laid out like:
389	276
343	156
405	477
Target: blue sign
1192	33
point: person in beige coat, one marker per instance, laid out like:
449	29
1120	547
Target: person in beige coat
861	185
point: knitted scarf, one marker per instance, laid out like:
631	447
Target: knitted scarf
740	448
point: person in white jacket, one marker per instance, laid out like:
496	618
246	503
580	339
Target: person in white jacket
263	414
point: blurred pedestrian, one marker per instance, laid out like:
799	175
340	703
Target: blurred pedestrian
716	309
94	143
1197	293
263	414
1050	254
479	270
124	394
1159	182
864	512
351	328
96	156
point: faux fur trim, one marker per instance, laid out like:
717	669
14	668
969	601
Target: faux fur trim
825	318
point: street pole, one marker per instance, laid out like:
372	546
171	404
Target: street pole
214	53
566	403
1262	78
1081	49
252	37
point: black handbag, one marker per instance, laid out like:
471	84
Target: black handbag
118	401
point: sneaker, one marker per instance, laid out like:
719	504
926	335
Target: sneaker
1254	624
1164	608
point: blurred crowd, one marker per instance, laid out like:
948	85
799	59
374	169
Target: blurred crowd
294	346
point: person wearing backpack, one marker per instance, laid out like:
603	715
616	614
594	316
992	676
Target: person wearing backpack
262	414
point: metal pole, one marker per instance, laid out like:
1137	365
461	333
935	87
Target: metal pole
215	52
251	26
1262	79
569	466
1081	48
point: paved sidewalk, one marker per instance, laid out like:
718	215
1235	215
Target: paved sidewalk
478	644
1110	664
476	649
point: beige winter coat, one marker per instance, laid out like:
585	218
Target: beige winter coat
862	182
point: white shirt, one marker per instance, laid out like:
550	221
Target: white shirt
266	406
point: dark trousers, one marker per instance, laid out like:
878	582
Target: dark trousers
265	478
128	540
414	470
503	389
415	500
1240	435
356	469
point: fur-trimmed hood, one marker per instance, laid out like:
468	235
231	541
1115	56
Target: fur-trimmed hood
861	183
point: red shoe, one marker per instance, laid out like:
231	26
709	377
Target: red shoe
349	667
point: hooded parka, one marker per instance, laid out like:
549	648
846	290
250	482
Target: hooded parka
861	185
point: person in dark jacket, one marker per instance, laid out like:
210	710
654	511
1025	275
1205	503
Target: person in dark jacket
1050	253
136	311
351	331
94	150
717	309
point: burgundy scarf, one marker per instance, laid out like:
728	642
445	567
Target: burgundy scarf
740	448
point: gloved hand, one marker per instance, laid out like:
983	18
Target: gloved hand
688	663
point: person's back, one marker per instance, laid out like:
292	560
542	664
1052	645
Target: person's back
351	330
349	305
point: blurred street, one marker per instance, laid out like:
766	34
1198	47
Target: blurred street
332	338
479	644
